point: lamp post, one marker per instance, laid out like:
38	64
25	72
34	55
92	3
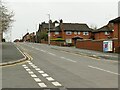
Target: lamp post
49	30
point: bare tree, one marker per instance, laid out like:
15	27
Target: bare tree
6	19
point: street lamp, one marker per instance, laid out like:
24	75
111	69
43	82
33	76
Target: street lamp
49	31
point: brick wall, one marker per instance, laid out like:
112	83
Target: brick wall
96	45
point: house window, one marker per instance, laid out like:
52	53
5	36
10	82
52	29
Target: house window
56	33
79	33
85	33
107	33
75	33
68	32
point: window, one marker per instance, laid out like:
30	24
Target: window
75	32
79	33
56	33
85	33
107	33
68	32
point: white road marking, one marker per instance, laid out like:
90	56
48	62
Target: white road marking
41	71
42	50
103	70
30	63
28	69
51	54
45	75
37	69
37	49
56	83
37	79
30	72
42	85
24	65
34	66
33	75
49	78
68	59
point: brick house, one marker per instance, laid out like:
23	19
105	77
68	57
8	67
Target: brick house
43	29
116	26
71	31
104	32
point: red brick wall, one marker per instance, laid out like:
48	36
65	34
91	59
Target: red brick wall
115	33
101	35
96	45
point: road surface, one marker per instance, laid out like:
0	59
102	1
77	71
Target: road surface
50	68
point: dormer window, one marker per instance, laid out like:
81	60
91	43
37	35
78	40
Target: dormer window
68	32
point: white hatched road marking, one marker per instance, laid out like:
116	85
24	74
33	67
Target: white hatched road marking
33	75
103	70
42	85
41	71
49	78
56	83
45	75
37	79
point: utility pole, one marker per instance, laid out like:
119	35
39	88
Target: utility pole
49	30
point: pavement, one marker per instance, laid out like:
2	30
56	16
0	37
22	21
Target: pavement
10	53
90	53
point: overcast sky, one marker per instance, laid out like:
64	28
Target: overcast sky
29	13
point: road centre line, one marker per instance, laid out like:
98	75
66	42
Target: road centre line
42	85
103	70
56	83
37	79
68	59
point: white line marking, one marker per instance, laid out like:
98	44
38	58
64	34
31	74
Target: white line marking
37	49
42	50
56	83
103	70
41	71
34	66
33	75
49	78
51	54
37	69
30	63
24	65
30	72
68	59
45	75
42	85
28	69
37	79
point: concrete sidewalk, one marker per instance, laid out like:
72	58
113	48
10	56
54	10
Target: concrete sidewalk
10	53
90	53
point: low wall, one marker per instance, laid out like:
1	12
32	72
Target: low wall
96	45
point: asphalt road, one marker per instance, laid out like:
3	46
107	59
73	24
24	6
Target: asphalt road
50	68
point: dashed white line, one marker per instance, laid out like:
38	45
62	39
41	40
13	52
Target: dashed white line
24	65
51	54
33	75
103	70
41	72
56	83
27	69
37	69
68	59
42	85
30	72
49	78
45	75
37	79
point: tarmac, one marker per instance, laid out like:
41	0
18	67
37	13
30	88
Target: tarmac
10	54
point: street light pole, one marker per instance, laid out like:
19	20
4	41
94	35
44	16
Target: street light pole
49	31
